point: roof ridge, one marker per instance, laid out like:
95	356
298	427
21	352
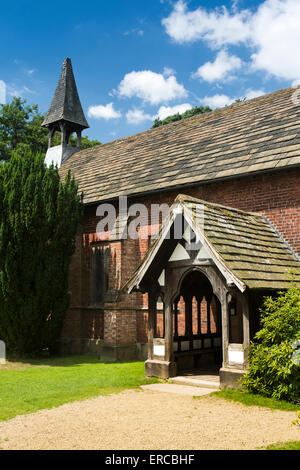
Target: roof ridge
257	136
181	197
202	116
288	246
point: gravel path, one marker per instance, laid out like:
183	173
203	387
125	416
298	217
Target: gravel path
146	419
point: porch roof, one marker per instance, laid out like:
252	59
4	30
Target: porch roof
245	246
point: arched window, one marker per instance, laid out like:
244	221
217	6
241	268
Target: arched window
195	316
159	323
100	260
179	323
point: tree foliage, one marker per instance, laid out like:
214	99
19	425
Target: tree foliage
178	117
274	369
20	126
39	215
86	143
20	129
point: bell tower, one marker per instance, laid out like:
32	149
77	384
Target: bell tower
66	116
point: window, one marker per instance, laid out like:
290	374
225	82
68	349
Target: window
159	331
179	323
99	274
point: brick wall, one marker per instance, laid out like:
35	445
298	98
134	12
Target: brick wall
84	323
276	195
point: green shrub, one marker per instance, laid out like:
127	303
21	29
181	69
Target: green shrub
274	369
39	215
178	117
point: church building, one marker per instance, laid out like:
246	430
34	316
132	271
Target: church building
186	228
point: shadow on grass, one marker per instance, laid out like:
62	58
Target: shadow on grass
60	361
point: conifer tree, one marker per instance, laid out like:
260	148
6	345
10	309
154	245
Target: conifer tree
39	216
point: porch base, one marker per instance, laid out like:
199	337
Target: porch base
229	378
161	369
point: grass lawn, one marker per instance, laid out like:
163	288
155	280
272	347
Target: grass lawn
34	385
251	399
292	445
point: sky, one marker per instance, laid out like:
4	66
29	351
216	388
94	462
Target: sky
135	60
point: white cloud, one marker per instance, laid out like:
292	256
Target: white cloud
271	33
165	111
234	6
254	93
218	27
151	87
219	69
276	37
13	90
103	112
134	31
168	71
217	101
2	92
136	116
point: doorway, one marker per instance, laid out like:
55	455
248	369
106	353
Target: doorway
197	328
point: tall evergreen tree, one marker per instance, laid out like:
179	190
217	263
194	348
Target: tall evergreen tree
39	216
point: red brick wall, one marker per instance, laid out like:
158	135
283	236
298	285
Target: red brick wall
84	323
142	326
93	323
276	195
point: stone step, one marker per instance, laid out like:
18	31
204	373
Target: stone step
213	383
179	389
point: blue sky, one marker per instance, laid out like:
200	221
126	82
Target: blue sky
135	60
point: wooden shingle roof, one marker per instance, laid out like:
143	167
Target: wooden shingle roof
244	245
259	135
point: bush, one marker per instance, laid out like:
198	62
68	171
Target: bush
39	215
178	117
274	369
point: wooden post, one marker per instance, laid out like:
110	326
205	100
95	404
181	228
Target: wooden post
151	322
78	139
225	329
168	329
62	126
51	134
189	319
246	327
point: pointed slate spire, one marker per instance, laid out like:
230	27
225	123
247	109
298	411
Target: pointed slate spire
65	115
66	105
